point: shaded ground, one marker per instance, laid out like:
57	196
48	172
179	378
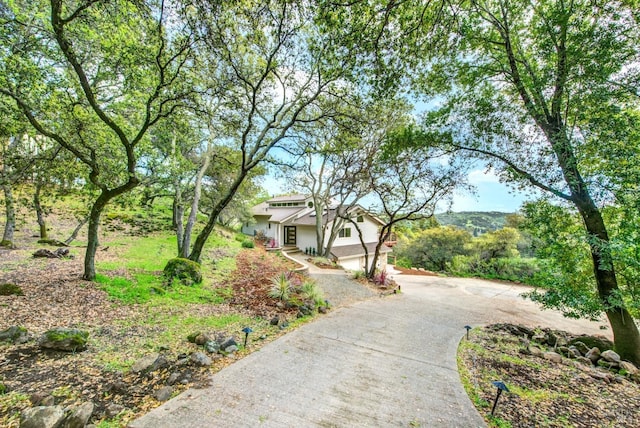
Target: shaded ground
54	295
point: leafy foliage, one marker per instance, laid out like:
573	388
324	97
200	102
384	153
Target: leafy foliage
566	273
475	222
280	287
433	248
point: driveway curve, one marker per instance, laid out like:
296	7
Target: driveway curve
381	362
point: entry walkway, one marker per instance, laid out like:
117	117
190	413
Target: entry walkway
383	362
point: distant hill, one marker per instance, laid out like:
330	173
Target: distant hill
476	222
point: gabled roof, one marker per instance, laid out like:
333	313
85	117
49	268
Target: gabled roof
277	215
309	218
289	198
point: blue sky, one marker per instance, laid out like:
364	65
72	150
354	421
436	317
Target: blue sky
490	195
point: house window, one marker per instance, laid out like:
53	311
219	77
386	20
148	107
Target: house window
360	219
345	233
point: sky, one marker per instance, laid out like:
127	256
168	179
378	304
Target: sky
491	195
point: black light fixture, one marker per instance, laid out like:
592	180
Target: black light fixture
246	331
501	387
468	327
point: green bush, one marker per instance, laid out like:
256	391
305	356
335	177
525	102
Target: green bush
510	269
312	292
403	262
247	244
280	287
359	274
186	271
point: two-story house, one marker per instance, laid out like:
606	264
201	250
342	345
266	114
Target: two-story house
290	221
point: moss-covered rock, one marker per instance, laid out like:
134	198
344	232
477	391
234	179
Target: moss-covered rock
186	271
64	339
14	334
10	290
53	242
6	244
602	343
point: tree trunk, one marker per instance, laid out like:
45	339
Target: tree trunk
75	232
197	192
94	224
39	211
178	214
198	245
626	336
92	236
10	219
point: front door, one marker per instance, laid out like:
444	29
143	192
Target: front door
289	235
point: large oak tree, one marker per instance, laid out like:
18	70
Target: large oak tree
95	76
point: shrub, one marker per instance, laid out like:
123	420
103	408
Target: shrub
311	291
280	287
247	244
10	290
185	270
359	274
381	278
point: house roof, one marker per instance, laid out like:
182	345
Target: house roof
309	219
277	215
357	250
289	198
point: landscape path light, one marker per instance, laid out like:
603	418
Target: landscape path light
246	331
468	327
501	387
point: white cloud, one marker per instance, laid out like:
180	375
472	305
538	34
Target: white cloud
478	176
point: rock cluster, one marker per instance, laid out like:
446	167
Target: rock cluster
218	345
57	254
76	416
589	352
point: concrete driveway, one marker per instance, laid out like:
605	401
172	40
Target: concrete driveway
382	362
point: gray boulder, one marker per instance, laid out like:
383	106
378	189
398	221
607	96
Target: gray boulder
145	363
200	359
212	346
78	416
593	355
14	334
231	349
42	417
64	339
611	356
628	367
228	342
164	393
552	356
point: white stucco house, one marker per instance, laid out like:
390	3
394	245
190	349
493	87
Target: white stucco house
290	222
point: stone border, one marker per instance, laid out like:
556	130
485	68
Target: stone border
303	269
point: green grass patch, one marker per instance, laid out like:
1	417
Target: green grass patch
11	404
149	253
146	288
